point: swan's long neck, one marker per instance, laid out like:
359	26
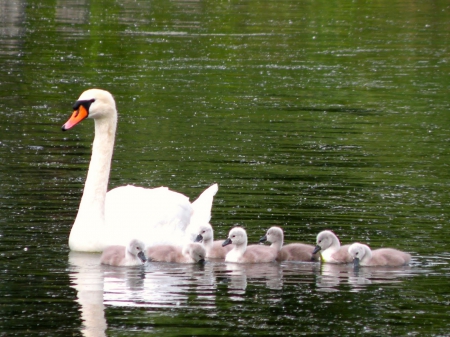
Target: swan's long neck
90	219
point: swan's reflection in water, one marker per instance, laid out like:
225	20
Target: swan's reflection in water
166	285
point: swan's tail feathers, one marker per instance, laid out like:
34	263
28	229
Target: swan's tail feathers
201	210
206	197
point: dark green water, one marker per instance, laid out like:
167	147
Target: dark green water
310	115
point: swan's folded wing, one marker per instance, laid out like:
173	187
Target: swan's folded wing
155	216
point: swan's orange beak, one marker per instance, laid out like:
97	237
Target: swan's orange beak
77	116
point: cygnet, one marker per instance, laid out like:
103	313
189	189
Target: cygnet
289	252
192	252
131	255
363	256
330	248
214	249
241	253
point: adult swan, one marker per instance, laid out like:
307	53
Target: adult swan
155	216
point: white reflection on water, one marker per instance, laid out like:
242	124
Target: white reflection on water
168	285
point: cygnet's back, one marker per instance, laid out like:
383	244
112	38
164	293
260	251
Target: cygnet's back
289	252
190	253
364	256
330	248
241	253
131	255
214	249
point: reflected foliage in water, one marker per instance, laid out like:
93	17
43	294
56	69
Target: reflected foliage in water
310	115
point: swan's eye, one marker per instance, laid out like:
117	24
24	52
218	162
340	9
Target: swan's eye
203	232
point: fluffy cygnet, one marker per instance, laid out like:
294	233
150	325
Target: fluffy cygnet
289	252
241	253
192	252
363	256
214	249
330	248
131	255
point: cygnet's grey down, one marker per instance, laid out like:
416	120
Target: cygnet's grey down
241	253
192	252
214	249
131	255
363	256
330	248
289	252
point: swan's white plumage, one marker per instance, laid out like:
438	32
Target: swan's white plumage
157	216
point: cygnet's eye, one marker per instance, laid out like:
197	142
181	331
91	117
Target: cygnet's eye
233	236
203	232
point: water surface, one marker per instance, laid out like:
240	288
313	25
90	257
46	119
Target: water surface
309	115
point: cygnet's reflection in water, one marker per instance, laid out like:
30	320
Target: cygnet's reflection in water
169	285
239	274
332	275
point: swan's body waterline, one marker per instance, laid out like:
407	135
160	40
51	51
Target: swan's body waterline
157	216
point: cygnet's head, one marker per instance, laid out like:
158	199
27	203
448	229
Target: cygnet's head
137	248
237	236
358	252
273	235
205	233
196	251
325	239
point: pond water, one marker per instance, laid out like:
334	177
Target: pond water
309	115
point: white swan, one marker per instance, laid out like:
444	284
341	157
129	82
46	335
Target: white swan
157	216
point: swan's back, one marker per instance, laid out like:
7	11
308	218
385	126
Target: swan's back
158	215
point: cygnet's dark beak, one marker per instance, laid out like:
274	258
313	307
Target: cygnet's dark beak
227	242
202	261
263	239
141	255
318	248
356	262
199	238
